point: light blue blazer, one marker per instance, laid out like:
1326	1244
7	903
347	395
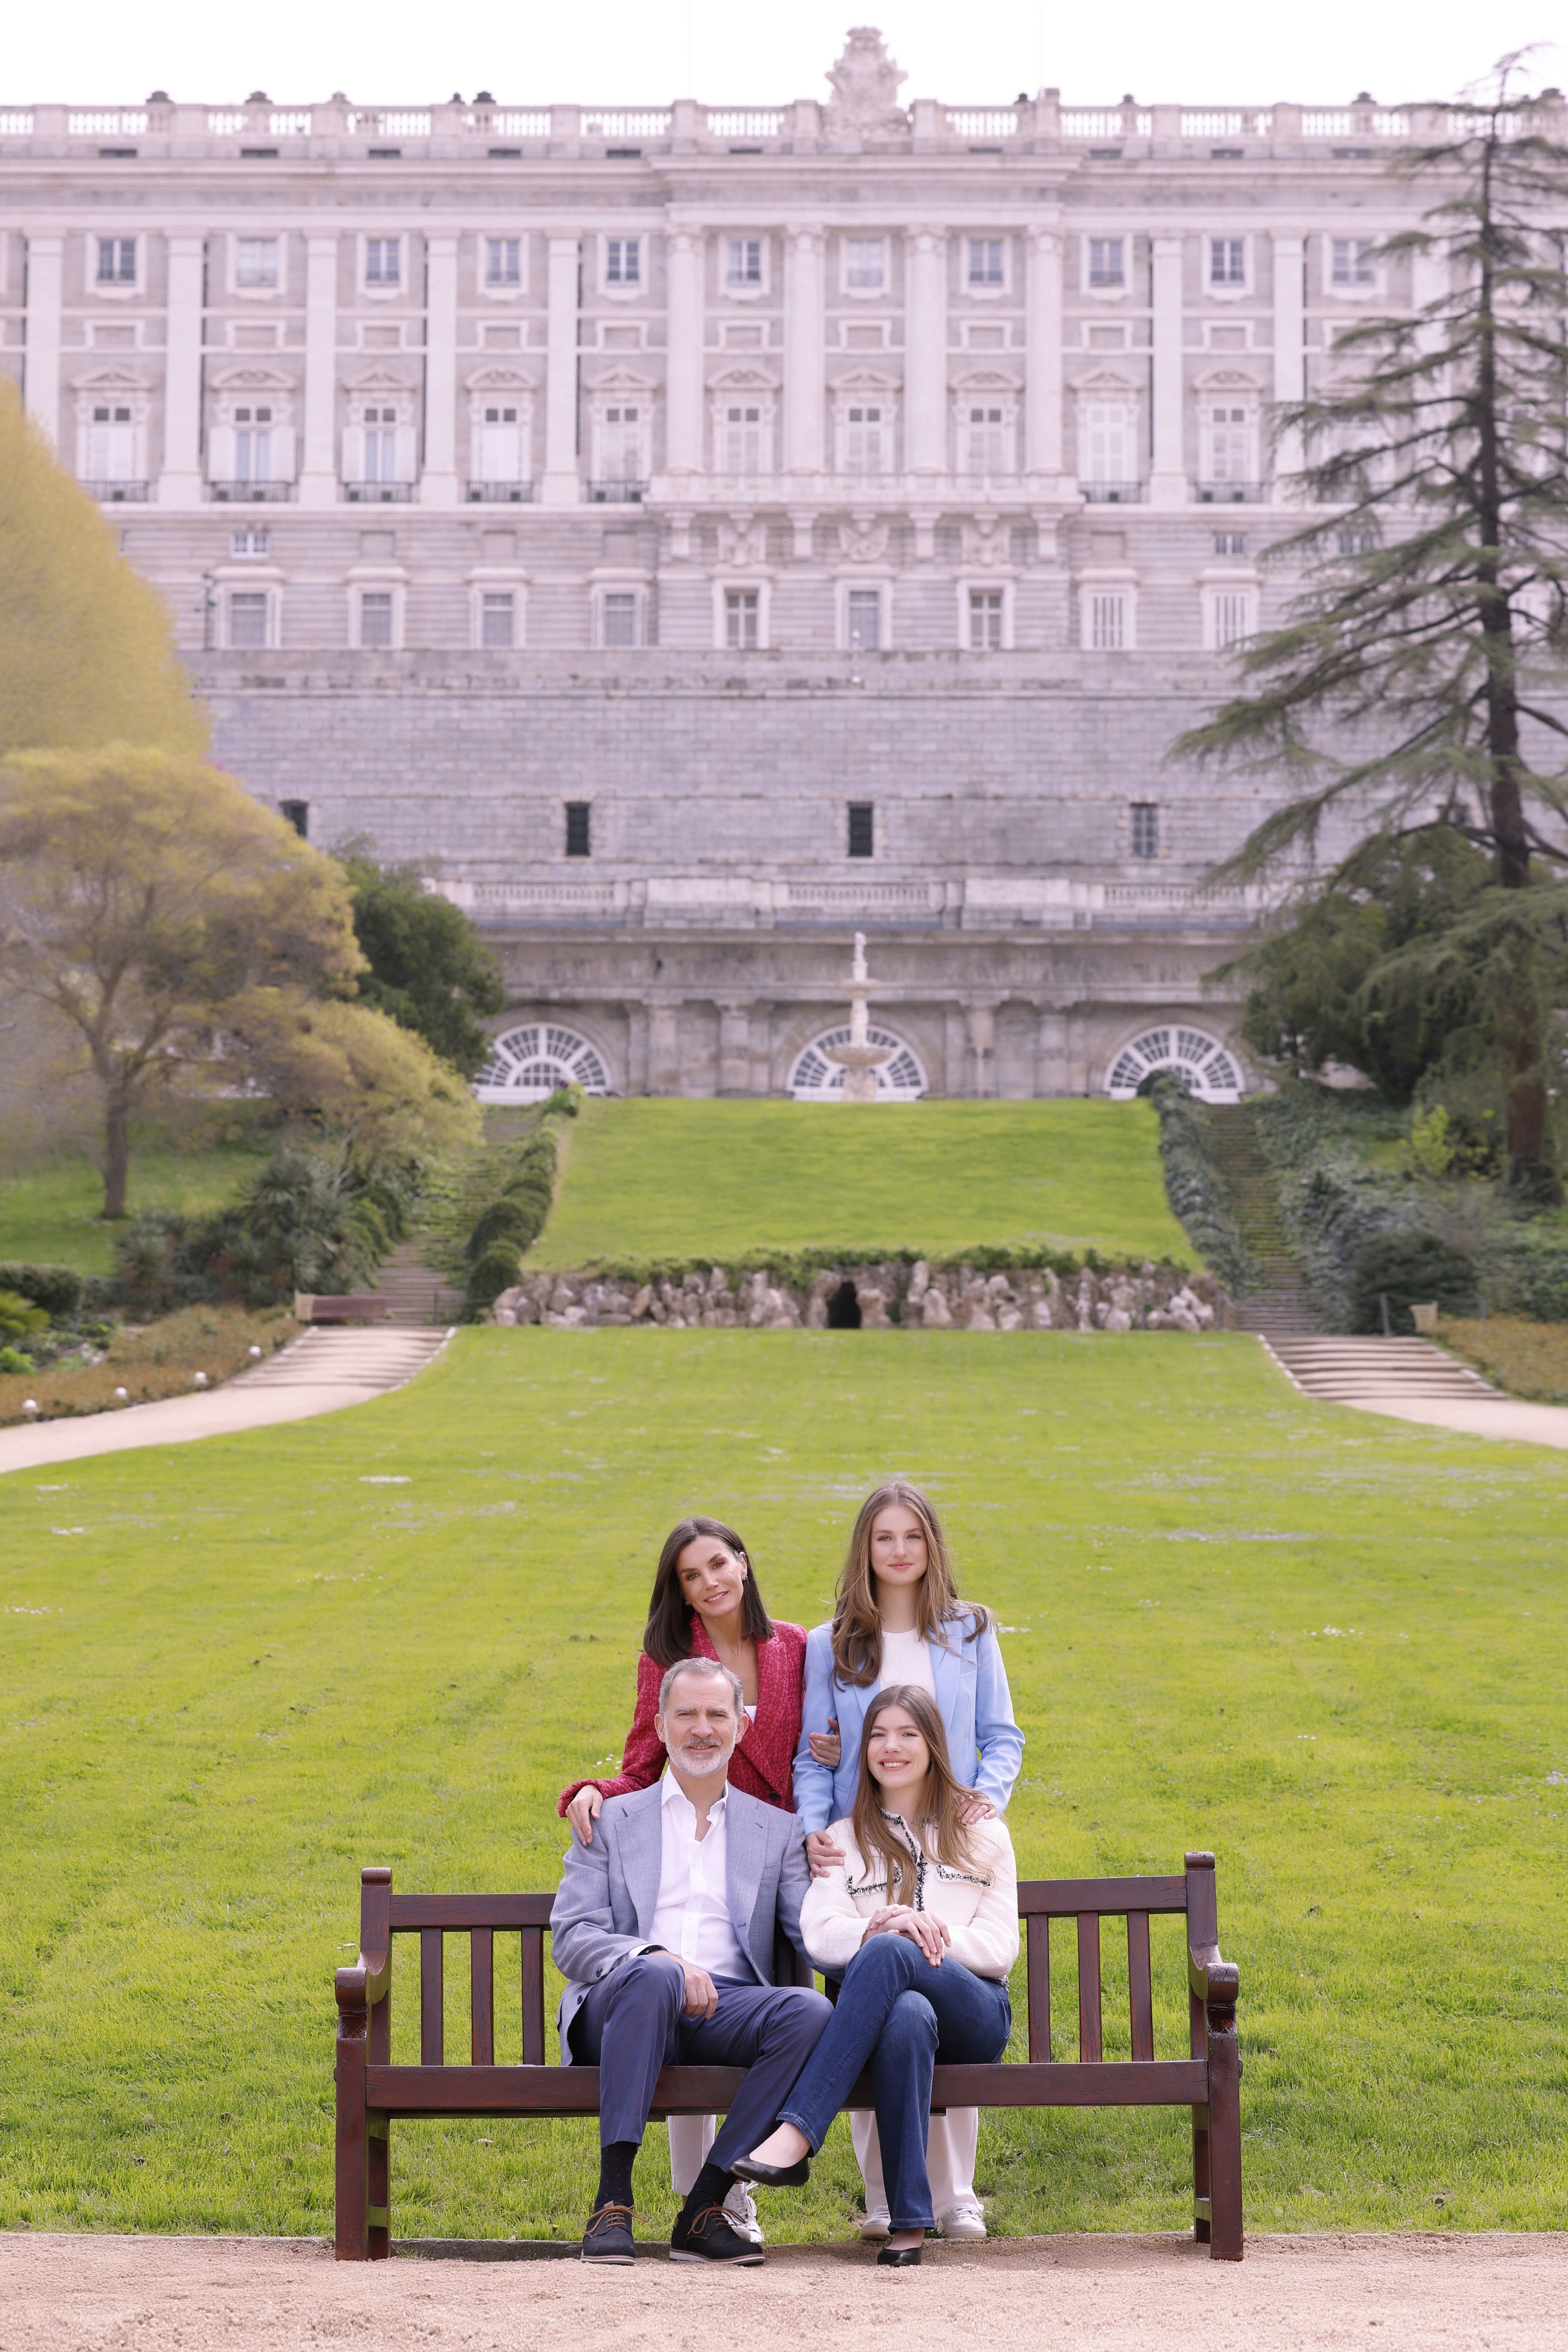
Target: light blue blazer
986	1745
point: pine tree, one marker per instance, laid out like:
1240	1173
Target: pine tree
1412	684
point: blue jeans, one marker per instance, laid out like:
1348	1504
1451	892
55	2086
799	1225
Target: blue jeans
900	2015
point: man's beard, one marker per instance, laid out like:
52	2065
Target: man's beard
700	1762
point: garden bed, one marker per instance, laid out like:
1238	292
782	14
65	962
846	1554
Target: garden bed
149	1362
1528	1360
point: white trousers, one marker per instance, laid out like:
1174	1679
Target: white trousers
690	2137
951	2143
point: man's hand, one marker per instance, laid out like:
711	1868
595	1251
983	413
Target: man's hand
975	1808
826	1746
702	1993
584	1812
919	1926
822	1853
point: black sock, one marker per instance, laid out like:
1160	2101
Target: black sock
712	2186
616	2158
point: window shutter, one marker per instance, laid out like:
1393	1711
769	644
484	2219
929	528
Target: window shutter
283	453
220	454
354	453
406	455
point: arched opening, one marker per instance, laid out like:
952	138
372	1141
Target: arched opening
1208	1068
527	1064
900	1078
844	1308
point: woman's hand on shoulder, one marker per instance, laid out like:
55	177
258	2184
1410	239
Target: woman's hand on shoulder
826	1746
584	1812
975	1808
822	1853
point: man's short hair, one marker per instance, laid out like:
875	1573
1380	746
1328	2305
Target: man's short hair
702	1666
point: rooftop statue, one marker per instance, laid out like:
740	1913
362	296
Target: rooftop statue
865	86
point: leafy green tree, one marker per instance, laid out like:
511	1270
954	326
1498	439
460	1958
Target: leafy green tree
1411	683
86	654
428	968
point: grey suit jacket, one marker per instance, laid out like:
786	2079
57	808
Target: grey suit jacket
603	1914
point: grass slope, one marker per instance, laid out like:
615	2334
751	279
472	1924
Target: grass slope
656	1179
1326	1645
54	1215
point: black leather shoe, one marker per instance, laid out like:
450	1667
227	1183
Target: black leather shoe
773	2175
706	2236
899	2257
608	2236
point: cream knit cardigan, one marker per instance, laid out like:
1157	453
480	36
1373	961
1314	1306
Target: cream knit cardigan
979	1908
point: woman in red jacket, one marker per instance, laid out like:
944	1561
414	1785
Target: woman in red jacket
706	1604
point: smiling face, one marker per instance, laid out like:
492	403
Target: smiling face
899	1548
699	1725
713	1577
897	1756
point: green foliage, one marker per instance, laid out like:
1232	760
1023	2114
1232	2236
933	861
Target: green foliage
1195	1185
427	967
1406	1268
11	1358
19	1318
504	1230
505	1220
1431	1148
53	1210
57	1289
253	1672
497	1268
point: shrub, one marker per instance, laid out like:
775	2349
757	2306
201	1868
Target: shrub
505	1220
19	1318
1195	1185
498	1268
1407	1268
57	1289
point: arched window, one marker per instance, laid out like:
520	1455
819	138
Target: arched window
814	1078
529	1063
1192	1053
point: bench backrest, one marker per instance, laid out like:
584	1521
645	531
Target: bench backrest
1087	1901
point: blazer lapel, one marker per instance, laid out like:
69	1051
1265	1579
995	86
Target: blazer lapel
642	1851
947	1673
745	1860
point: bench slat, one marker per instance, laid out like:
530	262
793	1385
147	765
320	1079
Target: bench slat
1138	1981
1090	2023
1037	1941
533	1998
1055	1898
461	1912
432	1997
482	1997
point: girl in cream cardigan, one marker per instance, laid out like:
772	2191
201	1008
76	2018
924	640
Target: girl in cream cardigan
921	1919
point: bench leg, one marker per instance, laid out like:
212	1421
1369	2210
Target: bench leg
1225	2232
378	2181
1201	2198
351	2168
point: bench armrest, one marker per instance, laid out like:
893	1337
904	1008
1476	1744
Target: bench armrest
1212	1978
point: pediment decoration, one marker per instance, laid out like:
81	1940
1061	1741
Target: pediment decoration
378	379
1106	384
736	380
743	540
253	379
866	383
1229	380
863	539
112	380
979	380
623	379
987	540
499	379
865	84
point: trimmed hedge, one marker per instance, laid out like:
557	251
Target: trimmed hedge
506	1226
57	1289
1196	1186
1407	1268
498	1268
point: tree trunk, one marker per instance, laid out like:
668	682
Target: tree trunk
116	1153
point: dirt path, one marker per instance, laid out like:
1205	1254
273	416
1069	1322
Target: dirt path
1412	2293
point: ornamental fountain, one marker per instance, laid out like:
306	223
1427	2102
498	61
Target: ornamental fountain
859	1059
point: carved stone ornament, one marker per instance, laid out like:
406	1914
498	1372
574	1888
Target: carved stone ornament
988	541
863	539
865	86
743	540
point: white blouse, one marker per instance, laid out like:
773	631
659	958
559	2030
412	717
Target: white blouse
907	1659
979	1906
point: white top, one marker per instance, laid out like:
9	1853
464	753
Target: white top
979	1906
906	1658
692	1915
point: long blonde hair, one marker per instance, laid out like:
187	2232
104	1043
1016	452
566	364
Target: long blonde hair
946	1835
856	1621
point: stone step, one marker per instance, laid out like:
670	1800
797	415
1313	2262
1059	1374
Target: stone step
1351	1371
375	1357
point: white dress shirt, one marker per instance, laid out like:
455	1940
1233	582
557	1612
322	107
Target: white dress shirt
692	1916
906	1659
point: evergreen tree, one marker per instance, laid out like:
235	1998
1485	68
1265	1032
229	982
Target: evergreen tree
1410	685
428	969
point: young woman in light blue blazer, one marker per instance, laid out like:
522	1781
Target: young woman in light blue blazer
898	1618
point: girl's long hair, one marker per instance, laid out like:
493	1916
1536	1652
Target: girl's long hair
947	1838
667	1637
857	1622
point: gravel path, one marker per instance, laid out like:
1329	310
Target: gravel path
1405	2293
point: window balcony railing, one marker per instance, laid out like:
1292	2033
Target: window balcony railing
500	494
1113	494
617	494
113	494
379	494
1230	494
251	494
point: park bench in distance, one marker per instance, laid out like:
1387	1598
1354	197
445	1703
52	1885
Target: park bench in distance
352	1307
371	2091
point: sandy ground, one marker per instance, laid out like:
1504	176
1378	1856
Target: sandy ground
1084	2294
176	1421
1530	1424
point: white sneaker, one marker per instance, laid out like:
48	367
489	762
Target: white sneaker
966	2219
740	2212
876	2223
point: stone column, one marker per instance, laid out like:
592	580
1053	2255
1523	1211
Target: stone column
983	1048
180	483
735	1046
955	1054
1168	477
318	455
637	1049
1289	352
664	1049
1042	353
805	351
683	361
438	481
561	486
41	362
925	353
1051	1053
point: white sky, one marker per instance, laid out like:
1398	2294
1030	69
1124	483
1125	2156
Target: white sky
621	52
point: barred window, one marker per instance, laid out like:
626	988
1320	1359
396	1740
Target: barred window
579	829
1145	829
862	829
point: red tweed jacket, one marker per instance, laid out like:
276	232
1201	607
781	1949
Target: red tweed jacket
762	1762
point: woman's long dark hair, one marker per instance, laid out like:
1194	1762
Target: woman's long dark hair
667	1637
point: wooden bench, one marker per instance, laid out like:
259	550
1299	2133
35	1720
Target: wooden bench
371	2090
352	1307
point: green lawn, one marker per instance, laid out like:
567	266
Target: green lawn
1328	1646
655	1179
53	1215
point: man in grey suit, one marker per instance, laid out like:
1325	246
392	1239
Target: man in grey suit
663	1929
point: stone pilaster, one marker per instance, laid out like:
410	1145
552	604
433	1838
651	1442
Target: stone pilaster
1168	477
318	456
438	481
561	486
42	362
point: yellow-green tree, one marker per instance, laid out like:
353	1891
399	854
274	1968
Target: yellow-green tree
86	654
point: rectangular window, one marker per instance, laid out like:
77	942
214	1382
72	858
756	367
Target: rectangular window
623	261
985	261
503	261
1229	429
253	445
380	445
256	262
247	619
383	261
579	828
743	620
1232	618
250	542
985	619
112	444
865	439
1105	431
497	619
865	264
298	814
1228	261
1350	261
863	615
1106	262
621	445
500	444
1107	618
1230	543
862	829
117	261
743	440
376	619
1357	542
984	440
743	261
1145	829
620	617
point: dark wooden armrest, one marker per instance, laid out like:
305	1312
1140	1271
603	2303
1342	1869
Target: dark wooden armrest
365	1984
1211	1978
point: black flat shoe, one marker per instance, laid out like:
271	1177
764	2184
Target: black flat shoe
899	2257
773	2175
706	2236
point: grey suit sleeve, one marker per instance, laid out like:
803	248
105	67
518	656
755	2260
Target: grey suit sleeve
582	1918
795	1877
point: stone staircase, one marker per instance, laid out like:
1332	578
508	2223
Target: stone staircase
1282	1302
1357	1372
417	1294
367	1357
